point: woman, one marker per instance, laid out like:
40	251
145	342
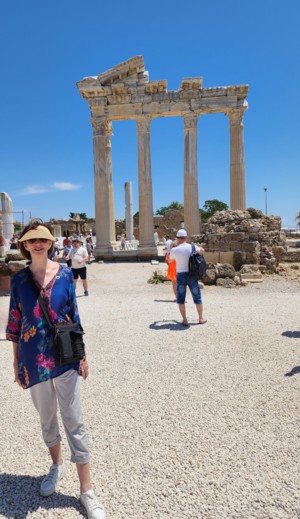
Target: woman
34	364
67	249
171	274
79	256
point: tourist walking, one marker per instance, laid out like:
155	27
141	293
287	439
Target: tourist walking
34	361
89	247
79	257
13	242
67	249
182	254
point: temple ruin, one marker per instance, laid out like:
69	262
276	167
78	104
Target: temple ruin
125	92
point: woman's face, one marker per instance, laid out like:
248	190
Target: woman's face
38	246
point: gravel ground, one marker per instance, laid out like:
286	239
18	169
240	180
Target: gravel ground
184	423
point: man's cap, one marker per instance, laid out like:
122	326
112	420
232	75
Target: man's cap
77	238
39	232
181	233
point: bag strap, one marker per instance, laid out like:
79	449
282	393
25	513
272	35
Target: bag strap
193	249
40	299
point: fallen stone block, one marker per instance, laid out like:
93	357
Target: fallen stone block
252	277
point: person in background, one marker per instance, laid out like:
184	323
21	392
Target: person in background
123	242
181	254
13	242
67	249
168	243
89	247
172	274
34	359
79	256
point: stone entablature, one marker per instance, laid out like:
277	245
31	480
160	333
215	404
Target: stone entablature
128	84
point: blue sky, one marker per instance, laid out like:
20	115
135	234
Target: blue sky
46	158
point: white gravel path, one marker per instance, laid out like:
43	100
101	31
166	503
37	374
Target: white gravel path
183	423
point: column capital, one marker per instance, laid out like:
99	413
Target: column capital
101	126
190	120
143	123
236	115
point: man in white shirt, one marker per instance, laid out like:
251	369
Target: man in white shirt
181	254
79	256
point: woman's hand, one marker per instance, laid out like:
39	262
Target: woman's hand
16	373
84	368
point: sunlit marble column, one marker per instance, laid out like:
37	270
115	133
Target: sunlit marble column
191	200
104	207
237	166
7	216
147	245
128	210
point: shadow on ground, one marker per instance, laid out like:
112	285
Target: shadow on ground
20	496
292	335
294	371
169	325
165	301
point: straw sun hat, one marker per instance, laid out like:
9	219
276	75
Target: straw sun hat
39	232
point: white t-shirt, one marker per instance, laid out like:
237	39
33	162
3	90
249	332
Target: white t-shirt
181	254
78	254
168	245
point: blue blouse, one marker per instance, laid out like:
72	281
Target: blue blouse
28	327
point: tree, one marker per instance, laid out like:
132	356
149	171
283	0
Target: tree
210	207
82	216
298	219
174	205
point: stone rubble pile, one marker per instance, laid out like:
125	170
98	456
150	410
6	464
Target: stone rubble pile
253	237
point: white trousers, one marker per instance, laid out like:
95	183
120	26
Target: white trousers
66	390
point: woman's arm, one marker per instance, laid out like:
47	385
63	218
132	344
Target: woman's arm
15	363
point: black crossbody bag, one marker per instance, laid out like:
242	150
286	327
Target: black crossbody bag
67	338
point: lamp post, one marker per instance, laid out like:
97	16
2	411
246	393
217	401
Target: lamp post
266	199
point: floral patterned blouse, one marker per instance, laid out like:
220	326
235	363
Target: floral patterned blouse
28	327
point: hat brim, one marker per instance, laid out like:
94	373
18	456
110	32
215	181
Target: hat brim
39	232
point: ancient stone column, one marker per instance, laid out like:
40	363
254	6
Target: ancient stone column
147	246
191	200
237	166
7	216
104	207
128	210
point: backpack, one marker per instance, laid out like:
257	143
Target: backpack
197	265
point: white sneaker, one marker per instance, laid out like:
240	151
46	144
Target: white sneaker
93	508
49	483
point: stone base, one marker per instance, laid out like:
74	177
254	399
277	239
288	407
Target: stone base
103	253
145	252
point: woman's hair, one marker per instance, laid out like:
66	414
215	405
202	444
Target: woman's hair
33	225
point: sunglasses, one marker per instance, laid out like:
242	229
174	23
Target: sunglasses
33	240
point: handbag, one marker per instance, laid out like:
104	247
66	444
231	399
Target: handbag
67	338
197	265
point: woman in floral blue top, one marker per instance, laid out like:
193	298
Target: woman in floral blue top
34	363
